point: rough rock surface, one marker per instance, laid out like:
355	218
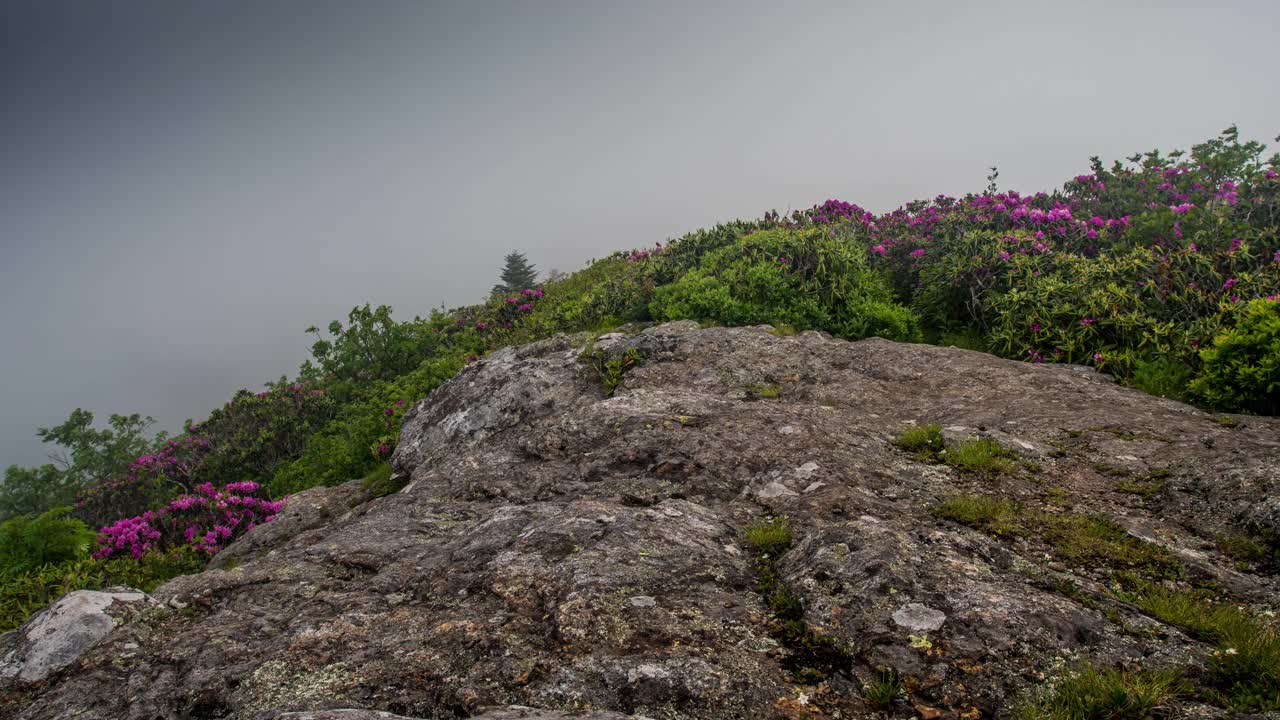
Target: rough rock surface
56	636
563	550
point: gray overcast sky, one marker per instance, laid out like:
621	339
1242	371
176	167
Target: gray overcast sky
185	186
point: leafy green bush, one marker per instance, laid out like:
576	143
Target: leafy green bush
1242	368
1162	377
365	433
24	593
250	436
812	279
88	455
34	540
371	346
1124	264
34	489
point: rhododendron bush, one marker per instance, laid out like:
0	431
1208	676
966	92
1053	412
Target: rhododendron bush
1135	264
208	520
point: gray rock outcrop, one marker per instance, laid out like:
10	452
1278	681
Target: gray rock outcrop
586	556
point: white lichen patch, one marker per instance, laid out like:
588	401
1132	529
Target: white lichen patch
278	684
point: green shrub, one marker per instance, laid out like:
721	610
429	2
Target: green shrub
253	434
23	594
809	279
30	541
364	434
1241	370
965	339
1162	377
371	346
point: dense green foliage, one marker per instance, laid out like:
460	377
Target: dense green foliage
87	455
29	541
811	278
23	593
1242	368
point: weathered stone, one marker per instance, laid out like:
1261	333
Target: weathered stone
58	635
919	618
585	555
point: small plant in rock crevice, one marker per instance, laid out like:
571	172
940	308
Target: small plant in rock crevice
981	456
883	690
764	391
925	441
611	369
814	656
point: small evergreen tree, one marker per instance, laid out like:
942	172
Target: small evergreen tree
517	275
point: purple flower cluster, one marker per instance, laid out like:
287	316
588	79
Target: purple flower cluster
206	520
638	255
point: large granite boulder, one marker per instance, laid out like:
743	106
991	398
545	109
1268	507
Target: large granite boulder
581	553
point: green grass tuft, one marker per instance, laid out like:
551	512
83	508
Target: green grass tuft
994	515
924	440
771	538
982	456
1142	488
1089	541
881	692
379	482
1244	671
1097	541
1097	694
1244	549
